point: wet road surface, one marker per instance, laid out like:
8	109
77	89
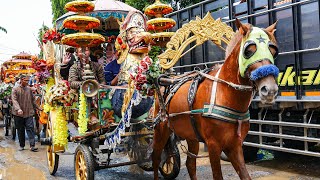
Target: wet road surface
26	165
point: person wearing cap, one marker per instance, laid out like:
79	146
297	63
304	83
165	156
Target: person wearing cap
23	109
67	61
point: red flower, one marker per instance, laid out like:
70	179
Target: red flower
119	40
123	46
150	92
147	60
140	78
138	87
144	65
140	70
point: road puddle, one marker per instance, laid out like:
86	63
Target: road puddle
279	176
11	169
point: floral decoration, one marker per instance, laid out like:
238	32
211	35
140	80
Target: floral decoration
143	75
60	128
51	35
47	107
5	90
43	69
82	118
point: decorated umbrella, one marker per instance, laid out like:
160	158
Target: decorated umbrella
158	25
107	11
19	64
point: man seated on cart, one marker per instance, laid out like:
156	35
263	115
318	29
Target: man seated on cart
76	71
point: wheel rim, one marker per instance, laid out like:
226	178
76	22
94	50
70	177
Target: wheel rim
168	166
50	154
81	168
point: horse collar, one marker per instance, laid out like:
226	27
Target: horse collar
262	41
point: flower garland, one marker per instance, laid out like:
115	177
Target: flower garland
47	107
143	74
60	128
82	118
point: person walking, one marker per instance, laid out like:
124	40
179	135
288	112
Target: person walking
23	110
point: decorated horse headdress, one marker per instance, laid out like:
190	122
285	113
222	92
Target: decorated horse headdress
257	46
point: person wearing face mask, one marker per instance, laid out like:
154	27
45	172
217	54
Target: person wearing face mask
77	69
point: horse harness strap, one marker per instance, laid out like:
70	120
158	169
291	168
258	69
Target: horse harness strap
220	112
191	95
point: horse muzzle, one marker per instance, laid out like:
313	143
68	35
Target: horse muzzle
268	89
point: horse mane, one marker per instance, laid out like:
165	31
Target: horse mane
233	42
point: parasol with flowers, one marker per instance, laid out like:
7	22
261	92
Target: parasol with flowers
158	25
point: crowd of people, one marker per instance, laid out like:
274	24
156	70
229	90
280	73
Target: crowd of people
23	102
105	69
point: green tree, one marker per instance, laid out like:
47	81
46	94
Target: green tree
3	29
57	7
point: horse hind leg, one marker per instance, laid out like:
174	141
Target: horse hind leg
235	155
160	139
214	154
193	147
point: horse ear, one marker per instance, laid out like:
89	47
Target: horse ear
272	28
242	29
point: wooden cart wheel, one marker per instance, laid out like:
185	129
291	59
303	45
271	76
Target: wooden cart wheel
83	163
170	161
52	158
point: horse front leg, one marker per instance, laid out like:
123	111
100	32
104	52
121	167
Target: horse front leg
214	154
235	155
193	147
160	138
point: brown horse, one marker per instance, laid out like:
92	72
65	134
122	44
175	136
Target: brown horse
220	135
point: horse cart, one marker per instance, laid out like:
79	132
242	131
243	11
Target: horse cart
102	120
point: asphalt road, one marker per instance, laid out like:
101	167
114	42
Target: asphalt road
26	165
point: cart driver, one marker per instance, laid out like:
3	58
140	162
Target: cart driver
76	71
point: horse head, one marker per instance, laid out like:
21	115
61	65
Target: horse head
258	50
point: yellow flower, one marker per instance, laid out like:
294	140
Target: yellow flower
82	118
60	128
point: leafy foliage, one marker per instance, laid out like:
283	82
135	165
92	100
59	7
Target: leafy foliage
155	51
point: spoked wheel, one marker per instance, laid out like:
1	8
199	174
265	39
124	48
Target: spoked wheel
84	163
13	129
170	161
52	157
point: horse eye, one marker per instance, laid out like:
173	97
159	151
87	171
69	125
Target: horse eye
273	49
250	48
